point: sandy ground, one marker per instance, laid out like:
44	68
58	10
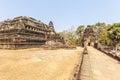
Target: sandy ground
38	64
103	66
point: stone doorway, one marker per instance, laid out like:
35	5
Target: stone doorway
88	43
95	45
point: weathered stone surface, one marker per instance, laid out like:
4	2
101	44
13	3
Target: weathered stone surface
103	67
25	32
90	37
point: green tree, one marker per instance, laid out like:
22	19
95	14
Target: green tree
93	26
100	24
100	27
79	33
104	39
114	34
80	30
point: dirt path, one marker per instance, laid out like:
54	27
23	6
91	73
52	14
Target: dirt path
103	66
38	64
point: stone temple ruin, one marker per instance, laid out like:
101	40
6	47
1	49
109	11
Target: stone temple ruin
90	38
26	32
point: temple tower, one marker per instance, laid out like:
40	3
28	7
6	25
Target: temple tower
89	36
51	27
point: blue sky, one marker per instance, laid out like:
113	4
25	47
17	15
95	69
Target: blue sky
63	13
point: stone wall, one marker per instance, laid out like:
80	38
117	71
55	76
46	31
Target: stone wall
25	32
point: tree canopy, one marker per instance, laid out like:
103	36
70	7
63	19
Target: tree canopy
114	33
105	34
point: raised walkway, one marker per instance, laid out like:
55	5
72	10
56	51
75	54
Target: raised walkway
102	66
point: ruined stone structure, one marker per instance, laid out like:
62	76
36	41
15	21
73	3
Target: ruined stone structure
25	32
90	37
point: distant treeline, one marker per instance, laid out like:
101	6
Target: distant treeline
106	34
